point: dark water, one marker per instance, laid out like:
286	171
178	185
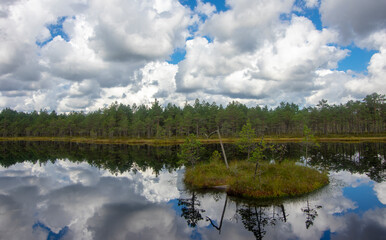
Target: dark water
83	191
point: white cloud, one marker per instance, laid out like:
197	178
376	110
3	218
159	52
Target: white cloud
25	24
107	44
286	65
206	9
374	81
311	3
154	80
248	23
140	30
354	19
380	190
256	52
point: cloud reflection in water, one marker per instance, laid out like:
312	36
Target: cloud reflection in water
66	200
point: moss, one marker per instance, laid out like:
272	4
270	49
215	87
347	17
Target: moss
273	180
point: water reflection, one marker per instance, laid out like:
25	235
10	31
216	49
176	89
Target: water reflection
368	158
365	158
190	209
311	213
115	158
257	218
103	192
77	201
328	214
213	223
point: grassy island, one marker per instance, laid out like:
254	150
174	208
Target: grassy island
274	180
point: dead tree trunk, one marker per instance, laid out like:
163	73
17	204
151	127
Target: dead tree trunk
222	148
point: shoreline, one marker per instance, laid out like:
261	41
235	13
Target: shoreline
176	141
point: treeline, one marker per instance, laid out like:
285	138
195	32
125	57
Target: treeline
202	118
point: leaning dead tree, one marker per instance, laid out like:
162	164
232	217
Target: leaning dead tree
222	145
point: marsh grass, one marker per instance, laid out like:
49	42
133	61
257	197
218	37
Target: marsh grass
208	175
275	180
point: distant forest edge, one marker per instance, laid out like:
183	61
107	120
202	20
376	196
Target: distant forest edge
366	117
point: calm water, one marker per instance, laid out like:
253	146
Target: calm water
82	191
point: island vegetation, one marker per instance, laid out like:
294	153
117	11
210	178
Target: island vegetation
142	123
277	180
254	177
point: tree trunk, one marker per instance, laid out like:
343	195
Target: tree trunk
256	166
222	148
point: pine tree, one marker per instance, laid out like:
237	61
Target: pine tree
246	140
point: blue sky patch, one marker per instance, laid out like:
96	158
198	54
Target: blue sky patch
310	13
51	235
175	207
189	3
55	30
219	4
364	197
357	60
208	38
314	15
177	56
326	235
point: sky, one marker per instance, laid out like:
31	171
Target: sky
82	55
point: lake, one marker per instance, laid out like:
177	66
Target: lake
85	191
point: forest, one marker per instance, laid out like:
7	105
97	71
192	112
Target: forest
366	117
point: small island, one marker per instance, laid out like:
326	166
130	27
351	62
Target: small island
284	179
254	177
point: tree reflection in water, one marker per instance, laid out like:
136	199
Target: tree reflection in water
222	217
362	158
190	210
310	213
367	158
257	218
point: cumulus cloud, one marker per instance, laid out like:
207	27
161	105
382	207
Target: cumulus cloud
257	52
286	65
248	23
374	81
206	9
293	60
354	19
24	24
138	30
105	44
154	80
